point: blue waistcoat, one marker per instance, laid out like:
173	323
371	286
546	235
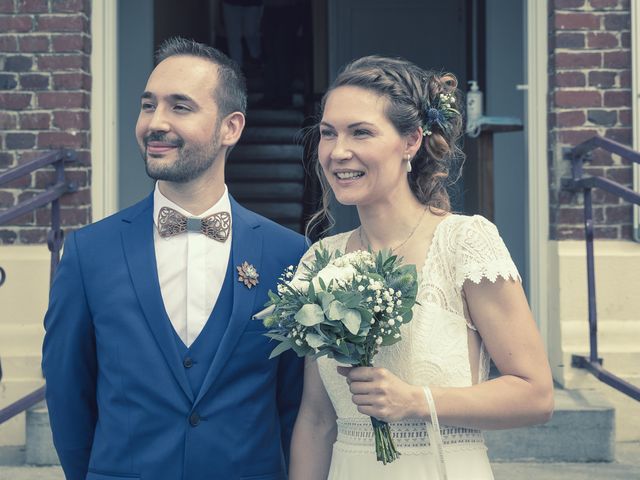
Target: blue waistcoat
198	357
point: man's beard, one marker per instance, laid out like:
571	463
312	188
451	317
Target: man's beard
190	163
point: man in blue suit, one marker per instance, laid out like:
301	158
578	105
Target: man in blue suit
154	367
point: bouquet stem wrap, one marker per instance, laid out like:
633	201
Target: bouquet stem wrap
386	451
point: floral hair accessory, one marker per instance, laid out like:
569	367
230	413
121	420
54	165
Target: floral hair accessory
438	113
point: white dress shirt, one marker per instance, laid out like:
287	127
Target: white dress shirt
191	269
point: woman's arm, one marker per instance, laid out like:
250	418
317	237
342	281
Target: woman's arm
315	429
522	395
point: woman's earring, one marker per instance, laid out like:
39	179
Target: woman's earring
409	163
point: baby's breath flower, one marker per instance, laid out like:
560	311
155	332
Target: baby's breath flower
389	310
376	308
379	340
360	288
392	322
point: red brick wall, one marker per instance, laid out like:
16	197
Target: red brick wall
590	93
45	86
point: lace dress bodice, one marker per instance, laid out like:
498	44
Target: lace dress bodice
434	348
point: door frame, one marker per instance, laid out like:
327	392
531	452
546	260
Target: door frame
536	26
104	108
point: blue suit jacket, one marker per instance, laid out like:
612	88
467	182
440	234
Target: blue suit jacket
118	396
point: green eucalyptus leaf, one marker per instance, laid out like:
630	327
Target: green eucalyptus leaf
349	299
325	300
352	320
309	315
314	340
276	336
311	293
281	348
336	311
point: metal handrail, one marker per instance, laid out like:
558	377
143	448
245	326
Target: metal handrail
50	195
54	238
586	183
23	404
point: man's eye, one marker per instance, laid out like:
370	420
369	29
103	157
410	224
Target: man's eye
181	108
147	106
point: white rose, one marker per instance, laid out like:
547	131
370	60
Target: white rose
332	272
299	284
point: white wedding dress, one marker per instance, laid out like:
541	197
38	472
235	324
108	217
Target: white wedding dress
439	347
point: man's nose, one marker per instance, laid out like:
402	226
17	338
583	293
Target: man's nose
158	122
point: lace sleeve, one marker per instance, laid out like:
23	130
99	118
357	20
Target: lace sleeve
481	253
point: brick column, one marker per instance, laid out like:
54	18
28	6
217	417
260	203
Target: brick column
590	93
45	86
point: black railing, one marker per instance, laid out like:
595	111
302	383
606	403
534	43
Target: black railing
54	239
585	184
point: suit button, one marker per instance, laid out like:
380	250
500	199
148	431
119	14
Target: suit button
194	419
187	362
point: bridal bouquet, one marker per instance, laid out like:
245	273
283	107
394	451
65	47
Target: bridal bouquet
345	307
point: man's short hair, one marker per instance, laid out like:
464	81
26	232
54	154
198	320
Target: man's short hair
231	91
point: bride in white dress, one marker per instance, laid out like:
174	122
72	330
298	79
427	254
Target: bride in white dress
386	141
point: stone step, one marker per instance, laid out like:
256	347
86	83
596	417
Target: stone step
16	339
11	455
582	430
23	366
266	153
12	432
264	172
269	192
287	211
502	471
613	335
36	446
280	118
39	449
270	135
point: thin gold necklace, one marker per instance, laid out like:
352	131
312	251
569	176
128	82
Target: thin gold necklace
367	246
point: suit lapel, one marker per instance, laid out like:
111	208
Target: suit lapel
246	246
139	250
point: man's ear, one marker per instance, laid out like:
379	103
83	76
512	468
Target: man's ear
231	129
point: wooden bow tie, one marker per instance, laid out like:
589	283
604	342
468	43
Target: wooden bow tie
216	226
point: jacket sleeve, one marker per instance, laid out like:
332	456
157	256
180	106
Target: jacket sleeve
69	365
290	372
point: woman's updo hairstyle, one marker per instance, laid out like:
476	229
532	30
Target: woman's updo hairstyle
416	98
